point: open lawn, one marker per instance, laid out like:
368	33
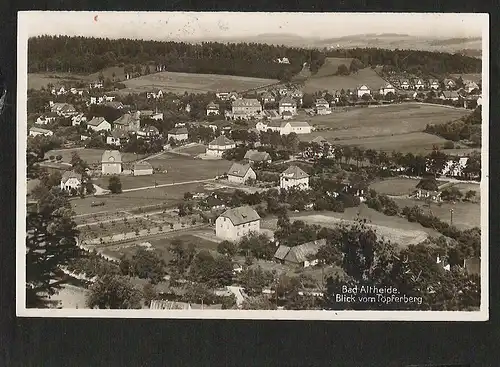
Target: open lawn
193	150
385	120
365	76
171	195
331	65
183	168
465	215
192	83
397	186
39	80
89	155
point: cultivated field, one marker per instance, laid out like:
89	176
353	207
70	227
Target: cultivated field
395	229
192	83
331	65
465	215
89	155
39	80
365	76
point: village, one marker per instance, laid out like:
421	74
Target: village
233	197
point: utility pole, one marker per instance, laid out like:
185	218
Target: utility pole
451	216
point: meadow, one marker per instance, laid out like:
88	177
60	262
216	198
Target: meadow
331	65
39	80
192	83
324	80
90	155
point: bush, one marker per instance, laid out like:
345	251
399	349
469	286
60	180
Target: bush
448	145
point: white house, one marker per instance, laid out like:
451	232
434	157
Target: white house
470	85
388	88
62	109
99	124
283	60
294	177
362	90
142	168
45	119
287	104
236	223
213	109
246	108
180	134
434	84
148	132
404	84
297	127
240	173
219	145
71	180
78	119
322	107
117	138
455	167
418	84
111	162
155	95
35	131
449	95
96	85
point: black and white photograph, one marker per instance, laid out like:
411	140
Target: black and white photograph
296	166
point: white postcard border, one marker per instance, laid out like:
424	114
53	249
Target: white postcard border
22	311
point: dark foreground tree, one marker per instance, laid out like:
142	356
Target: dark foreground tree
50	243
147	265
115	185
113	292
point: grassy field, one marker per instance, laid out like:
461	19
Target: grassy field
192	83
193	150
465	215
331	65
397	186
89	155
365	76
39	80
184	168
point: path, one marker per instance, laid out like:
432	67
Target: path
169	184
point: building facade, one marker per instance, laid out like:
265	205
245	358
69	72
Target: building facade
294	177
236	223
111	162
219	145
240	173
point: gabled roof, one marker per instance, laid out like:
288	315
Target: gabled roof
40	130
114	104
298	123
142	165
111	156
321	101
70	174
221	140
256	156
281	252
178	131
241	215
238	170
450	94
125	119
299	254
294	172
287	100
246	102
96	121
213	105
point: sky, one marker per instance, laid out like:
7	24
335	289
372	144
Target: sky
197	25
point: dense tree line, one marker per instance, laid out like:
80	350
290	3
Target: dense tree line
89	55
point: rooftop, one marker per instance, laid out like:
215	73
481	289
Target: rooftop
299	254
241	215
221	140
238	169
111	156
294	172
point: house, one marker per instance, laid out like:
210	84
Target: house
418	84
128	122
224	96
117	138
233	96
283	60
236	223
76	91
246	108
254	156
46	119
240	173
96	85
219	145
63	109
157	116
71	181
322	107
294	177
301	255
455	168
362	90
449	95
98	124
154	95
387	88
287	104
404	84
281	253
443	262
148	132
114	104
434	84
179	134
35	131
78	119
470	85
297	127
268	97
111	162
142	168
213	109
449	83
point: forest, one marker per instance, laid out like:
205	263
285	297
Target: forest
90	55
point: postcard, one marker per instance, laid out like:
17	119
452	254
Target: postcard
298	166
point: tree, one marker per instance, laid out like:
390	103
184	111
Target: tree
149	293
113	292
257	244
428	183
115	184
213	272
342	70
50	243
147	265
227	248
261	302
255	280
182	255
